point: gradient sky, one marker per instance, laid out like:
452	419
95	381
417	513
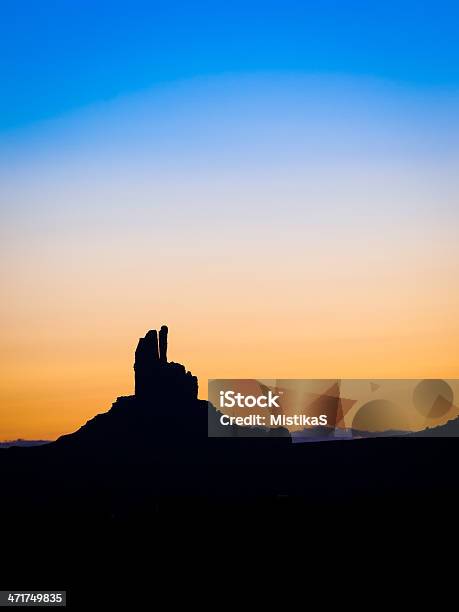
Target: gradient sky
276	181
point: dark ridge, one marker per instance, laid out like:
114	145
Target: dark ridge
153	447
98	510
21	442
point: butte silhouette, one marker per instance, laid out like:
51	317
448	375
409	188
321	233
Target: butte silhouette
149	459
153	447
162	419
155	377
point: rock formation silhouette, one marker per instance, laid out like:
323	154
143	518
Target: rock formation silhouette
153	447
163	343
155	377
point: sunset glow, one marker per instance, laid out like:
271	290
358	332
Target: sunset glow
283	222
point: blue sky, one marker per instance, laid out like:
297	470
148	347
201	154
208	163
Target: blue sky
57	56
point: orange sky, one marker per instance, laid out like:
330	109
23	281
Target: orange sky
67	354
268	249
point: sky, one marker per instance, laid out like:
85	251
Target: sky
275	181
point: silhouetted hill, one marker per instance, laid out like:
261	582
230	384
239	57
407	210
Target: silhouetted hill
95	508
152	448
449	429
20	442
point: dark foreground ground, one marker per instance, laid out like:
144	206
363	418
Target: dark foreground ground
116	527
